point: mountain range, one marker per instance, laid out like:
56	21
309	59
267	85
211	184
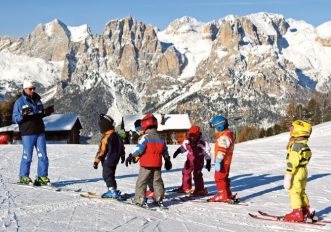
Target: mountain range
247	68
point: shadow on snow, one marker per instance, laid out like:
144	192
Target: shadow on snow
84	181
238	183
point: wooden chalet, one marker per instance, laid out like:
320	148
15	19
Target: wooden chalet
168	124
59	128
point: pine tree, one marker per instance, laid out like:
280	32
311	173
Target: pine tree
6	110
269	132
248	133
313	111
291	114
262	133
325	108
277	129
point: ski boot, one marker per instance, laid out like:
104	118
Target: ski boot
234	198
25	180
140	201
221	197
181	190
295	216
111	193
309	215
42	181
160	204
202	192
150	195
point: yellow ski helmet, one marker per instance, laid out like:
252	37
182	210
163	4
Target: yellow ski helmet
300	128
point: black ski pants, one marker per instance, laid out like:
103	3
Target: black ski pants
108	175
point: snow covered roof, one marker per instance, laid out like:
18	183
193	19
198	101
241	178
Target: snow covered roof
12	127
172	122
54	122
60	122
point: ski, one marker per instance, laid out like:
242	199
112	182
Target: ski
124	199
177	190
93	195
279	219
160	207
274	216
198	200
49	187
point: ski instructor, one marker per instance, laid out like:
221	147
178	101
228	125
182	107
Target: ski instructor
28	113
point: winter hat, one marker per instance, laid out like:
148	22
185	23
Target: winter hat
106	123
27	84
137	125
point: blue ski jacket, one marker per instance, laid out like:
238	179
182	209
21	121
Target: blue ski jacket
32	123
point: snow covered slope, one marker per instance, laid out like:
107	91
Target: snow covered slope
17	68
256	173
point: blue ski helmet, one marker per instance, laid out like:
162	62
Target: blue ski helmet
219	122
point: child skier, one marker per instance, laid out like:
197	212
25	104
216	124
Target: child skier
198	150
140	132
224	146
295	179
151	147
111	149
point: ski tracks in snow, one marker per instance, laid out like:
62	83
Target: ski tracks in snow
14	210
7	214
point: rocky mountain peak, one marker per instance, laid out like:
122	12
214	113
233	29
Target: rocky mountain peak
257	63
324	34
183	25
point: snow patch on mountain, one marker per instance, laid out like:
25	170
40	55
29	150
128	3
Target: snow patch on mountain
80	33
48	28
311	58
189	90
17	68
264	22
186	34
49	94
324	30
76	34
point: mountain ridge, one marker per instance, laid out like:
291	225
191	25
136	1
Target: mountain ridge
230	66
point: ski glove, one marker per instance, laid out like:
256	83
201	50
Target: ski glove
129	160
49	110
208	165
287	181
219	162
95	165
136	159
177	152
122	159
26	111
167	164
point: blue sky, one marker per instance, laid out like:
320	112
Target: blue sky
20	17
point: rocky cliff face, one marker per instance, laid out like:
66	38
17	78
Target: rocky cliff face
248	65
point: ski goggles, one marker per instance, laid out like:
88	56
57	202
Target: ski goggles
213	125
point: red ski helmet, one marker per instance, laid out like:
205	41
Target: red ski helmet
194	131
148	121
4	139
